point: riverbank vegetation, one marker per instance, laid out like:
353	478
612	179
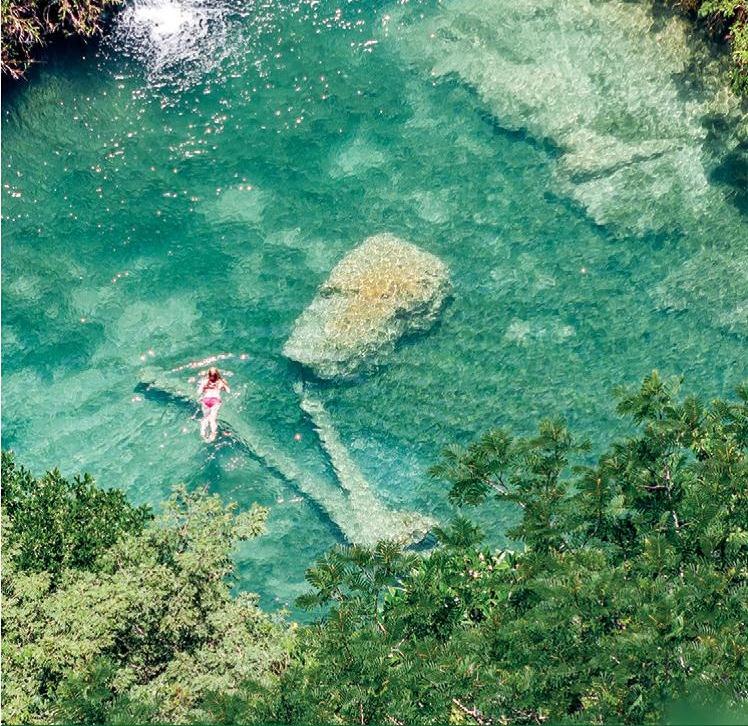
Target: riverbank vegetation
110	612
725	20
624	594
29	24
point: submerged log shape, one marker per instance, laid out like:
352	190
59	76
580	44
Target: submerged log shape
350	502
382	290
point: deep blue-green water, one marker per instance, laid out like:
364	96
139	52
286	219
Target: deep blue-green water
183	189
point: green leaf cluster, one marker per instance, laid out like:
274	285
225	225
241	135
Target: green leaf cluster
54	524
628	595
110	614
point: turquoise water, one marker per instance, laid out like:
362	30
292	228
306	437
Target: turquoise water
182	190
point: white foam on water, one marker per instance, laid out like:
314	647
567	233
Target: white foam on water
163	20
178	43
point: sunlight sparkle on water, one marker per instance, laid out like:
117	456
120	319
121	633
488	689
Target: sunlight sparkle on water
160	215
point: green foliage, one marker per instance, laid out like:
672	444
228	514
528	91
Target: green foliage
728	20
524	471
629	594
143	626
28	24
626	601
59	524
88	697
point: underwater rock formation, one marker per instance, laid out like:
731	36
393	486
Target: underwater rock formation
712	283
382	290
631	137
376	520
350	502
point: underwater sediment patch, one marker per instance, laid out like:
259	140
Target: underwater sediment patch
631	137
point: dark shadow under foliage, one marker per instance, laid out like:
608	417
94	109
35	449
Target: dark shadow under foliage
726	21
28	25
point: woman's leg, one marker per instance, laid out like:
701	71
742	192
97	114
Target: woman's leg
205	421
213	418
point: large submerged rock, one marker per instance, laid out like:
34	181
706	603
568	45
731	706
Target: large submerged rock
382	290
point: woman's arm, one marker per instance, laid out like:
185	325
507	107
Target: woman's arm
225	386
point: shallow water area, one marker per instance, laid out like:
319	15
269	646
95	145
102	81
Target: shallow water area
183	191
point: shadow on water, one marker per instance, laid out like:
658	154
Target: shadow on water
11	88
59	51
732	175
704	74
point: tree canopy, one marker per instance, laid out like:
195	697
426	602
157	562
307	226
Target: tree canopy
110	613
624	596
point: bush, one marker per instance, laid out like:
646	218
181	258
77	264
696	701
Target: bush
623	601
111	614
28	24
57	524
628	594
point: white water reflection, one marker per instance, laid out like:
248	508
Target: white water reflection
177	42
165	20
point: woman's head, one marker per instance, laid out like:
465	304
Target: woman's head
213	375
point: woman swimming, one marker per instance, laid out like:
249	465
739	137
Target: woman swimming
210	398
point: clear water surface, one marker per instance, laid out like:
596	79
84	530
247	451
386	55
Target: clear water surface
182	190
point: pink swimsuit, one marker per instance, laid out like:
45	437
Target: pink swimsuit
211	395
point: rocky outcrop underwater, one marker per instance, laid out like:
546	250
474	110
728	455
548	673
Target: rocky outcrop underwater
382	290
637	115
631	136
350	502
